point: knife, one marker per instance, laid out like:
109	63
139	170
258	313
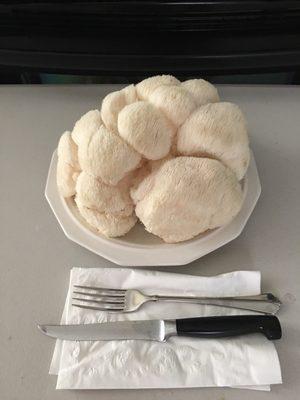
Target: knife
161	330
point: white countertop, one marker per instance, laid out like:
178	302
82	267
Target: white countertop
36	256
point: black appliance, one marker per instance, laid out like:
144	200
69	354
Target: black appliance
134	39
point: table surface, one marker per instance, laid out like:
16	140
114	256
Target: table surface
36	257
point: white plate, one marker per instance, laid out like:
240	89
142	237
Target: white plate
138	247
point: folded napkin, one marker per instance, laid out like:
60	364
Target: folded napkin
248	361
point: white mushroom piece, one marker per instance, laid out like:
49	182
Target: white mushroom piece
95	194
105	155
143	179
202	91
113	103
217	130
88	123
175	102
187	196
109	225
67	165
145	88
108	209
146	129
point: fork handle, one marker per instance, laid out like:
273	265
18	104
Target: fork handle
269	297
218	327
265	303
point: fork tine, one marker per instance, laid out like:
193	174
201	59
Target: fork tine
105	306
98	308
119	303
106	298
96	288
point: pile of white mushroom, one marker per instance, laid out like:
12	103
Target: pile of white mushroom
167	153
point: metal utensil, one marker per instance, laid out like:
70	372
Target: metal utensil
161	330
124	301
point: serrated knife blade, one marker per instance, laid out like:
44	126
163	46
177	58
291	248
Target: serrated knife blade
124	330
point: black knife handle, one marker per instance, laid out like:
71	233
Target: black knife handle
218	327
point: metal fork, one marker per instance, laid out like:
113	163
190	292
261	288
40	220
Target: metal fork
124	301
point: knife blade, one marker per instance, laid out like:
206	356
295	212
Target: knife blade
161	330
125	330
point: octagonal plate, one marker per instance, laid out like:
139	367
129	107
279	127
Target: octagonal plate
138	247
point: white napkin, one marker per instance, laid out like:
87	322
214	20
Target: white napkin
249	361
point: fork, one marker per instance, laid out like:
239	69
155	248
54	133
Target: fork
129	300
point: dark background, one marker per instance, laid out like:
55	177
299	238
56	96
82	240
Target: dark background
253	42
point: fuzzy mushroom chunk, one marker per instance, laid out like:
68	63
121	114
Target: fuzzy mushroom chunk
147	86
97	195
217	130
202	91
174	101
67	166
88	123
144	179
109	225
146	129
66	177
67	150
106	156
113	103
188	196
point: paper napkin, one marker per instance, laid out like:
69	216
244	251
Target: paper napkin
248	361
